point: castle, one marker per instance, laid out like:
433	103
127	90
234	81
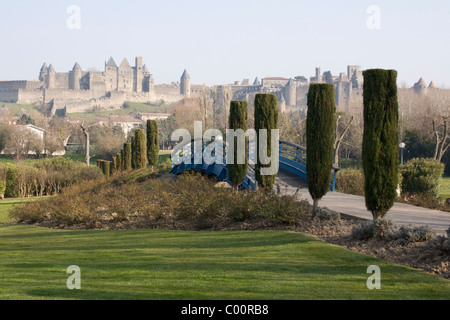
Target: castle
421	88
81	90
292	93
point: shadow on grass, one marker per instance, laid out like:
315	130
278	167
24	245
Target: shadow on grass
231	281
160	264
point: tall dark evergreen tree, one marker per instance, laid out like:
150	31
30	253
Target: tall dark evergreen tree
266	117
152	142
133	151
320	140
119	162
100	164
107	168
127	156
380	140
238	119
140	149
114	166
122	158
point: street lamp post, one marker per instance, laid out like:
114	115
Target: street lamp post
402	146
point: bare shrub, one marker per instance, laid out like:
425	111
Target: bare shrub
192	199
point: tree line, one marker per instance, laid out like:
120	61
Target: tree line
142	150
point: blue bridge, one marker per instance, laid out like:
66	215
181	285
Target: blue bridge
191	156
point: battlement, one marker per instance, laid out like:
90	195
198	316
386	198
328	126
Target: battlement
20	84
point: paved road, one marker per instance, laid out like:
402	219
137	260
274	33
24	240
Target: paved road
355	205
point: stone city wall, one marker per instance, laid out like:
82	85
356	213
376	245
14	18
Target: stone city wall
30	96
71	96
115	101
9	95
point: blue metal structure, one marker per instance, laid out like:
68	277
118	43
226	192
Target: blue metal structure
293	159
192	156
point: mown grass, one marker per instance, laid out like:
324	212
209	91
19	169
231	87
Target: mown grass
7	204
80	158
169	265
7	159
444	189
18	109
133	110
163	264
350	163
163	156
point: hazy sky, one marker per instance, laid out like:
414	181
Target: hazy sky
227	40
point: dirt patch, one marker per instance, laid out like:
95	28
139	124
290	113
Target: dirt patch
420	255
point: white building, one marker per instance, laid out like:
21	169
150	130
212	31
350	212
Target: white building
153	116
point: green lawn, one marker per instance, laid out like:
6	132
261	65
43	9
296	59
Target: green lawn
7	159
4	159
80	158
7	204
444	190
160	264
350	163
133	110
163	156
18	109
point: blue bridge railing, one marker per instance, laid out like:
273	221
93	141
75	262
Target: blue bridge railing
192	156
293	160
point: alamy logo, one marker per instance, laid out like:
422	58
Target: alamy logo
374	281
73	22
217	151
374	20
74	281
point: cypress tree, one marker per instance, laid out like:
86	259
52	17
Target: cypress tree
127	156
119	162
320	139
266	117
380	140
140	149
114	166
152	142
107	168
133	151
122	158
100	164
238	120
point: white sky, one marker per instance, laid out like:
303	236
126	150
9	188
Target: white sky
220	41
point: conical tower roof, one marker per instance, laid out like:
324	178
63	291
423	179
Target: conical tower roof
256	82
76	66
125	63
432	85
282	100
111	63
422	82
51	68
291	83
44	67
145	69
185	75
